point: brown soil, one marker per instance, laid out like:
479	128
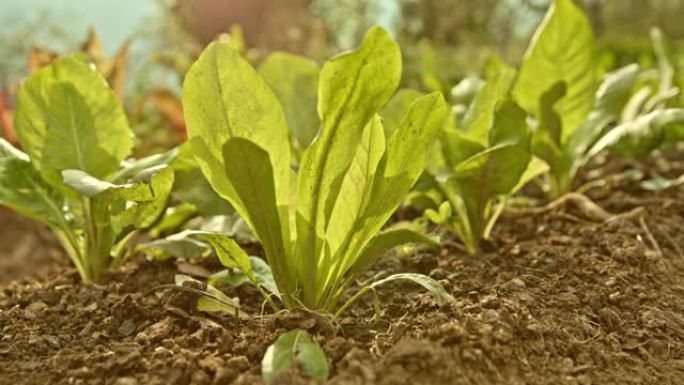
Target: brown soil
558	299
27	249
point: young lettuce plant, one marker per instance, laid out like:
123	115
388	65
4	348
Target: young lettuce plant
478	165
575	115
556	85
320	227
71	177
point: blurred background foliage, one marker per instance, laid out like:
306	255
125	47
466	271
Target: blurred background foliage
144	47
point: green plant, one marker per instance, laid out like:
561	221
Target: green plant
321	227
294	350
651	118
71	177
575	114
475	167
294	81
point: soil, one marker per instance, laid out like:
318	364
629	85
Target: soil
556	298
26	248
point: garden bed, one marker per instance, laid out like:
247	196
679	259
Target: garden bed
556	299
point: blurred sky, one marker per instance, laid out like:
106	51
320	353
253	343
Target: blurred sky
114	19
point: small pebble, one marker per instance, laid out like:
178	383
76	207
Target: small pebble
33	310
127	328
519	283
490	315
126	381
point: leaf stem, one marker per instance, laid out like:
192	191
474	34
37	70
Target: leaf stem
68	241
351	301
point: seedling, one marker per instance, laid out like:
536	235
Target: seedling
320	227
295	350
476	166
71	177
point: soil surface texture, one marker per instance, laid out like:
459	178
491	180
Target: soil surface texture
560	295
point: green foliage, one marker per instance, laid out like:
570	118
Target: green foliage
575	120
67	118
190	185
23	190
294	80
396	107
71	179
477	167
294	350
648	120
315	225
562	51
263	277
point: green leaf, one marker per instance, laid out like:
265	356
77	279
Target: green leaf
150	195
611	98
635	104
191	186
132	169
673	133
24	191
232	225
179	245
588	133
497	170
425	194
386	241
294	80
428	283
404	161
549	120
616	89
398	169
642	135
224	98
395	109
565	158
352	88
356	187
455	147
173	219
406	155
260	269
480	115
534	169
441	215
86	184
562	50
430	75
7	150
112	201
547	143
228	251
254	192
294	350
467	90
666	72
68	118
